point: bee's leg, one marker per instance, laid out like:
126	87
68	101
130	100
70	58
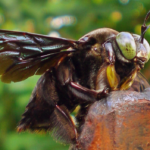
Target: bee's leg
43	113
81	92
64	75
85	94
127	82
107	80
68	129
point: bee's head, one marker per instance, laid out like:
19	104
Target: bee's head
132	47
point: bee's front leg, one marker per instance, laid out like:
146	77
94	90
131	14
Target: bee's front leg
127	82
83	93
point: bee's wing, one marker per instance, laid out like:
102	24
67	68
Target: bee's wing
142	80
25	54
140	83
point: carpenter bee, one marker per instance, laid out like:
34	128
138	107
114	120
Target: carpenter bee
73	73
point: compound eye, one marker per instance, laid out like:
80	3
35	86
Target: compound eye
146	45
126	45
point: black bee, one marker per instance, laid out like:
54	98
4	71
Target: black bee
73	73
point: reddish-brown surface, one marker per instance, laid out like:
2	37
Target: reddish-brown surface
120	122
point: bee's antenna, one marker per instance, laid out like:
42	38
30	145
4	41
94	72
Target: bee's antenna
144	27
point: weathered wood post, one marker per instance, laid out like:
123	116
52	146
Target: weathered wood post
119	122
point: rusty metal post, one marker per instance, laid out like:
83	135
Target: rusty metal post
119	122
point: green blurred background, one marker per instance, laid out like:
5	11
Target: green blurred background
65	18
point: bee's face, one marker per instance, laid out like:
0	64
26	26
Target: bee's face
131	49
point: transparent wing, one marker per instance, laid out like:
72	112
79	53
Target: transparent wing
140	83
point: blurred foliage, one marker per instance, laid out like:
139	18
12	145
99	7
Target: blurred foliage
69	19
